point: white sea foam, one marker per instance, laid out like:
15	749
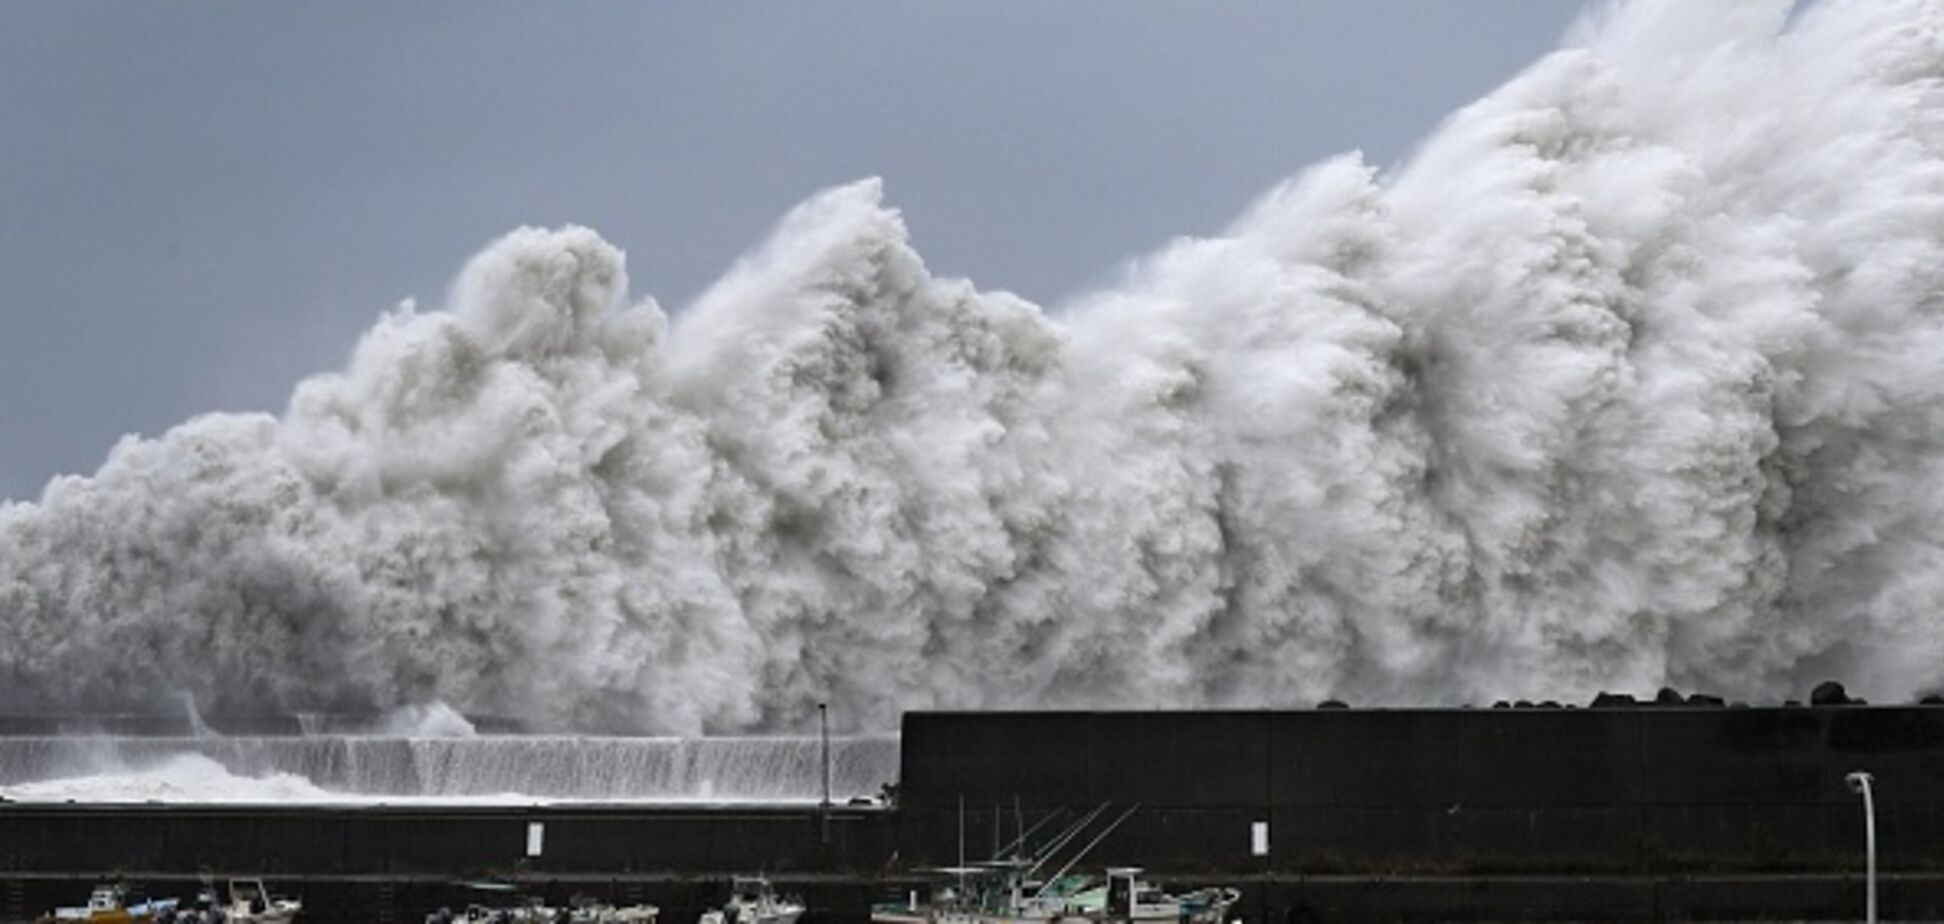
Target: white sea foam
179	778
429	720
1629	377
442	769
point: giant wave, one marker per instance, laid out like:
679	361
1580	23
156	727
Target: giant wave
1630	376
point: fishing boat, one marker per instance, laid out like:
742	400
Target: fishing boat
1123	898
993	892
512	906
533	913
1005	890
1126	898
497	903
753	900
112	904
588	910
251	903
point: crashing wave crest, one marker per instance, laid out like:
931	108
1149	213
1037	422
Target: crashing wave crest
1629	377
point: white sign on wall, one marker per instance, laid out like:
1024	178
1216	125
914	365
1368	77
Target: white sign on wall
1259	838
536	837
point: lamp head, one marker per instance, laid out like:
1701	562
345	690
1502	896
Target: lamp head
1858	780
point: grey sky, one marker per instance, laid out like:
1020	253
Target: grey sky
201	203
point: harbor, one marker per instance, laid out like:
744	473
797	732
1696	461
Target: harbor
1636	813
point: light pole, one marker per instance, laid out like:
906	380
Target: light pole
1859	782
823	808
823	723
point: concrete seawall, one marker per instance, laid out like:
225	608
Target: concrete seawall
1633	814
1634	790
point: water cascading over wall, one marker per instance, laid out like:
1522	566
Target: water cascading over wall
1626	378
359	767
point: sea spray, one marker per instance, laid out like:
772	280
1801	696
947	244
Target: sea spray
358	768
1627	377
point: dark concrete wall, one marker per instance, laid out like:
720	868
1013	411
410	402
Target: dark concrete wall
1423	790
458	841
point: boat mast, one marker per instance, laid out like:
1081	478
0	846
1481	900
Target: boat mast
1087	849
1017	845
1059	843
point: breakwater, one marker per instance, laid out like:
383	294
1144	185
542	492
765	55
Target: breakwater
1624	814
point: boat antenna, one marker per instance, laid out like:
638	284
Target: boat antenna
1066	837
995	830
1050	880
961	858
1019	843
1019	821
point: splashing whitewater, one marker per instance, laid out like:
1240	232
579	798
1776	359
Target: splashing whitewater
1630	376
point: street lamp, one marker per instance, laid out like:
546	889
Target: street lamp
823	808
1859	782
823	723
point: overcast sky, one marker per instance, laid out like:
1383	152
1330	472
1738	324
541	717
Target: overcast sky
201	203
